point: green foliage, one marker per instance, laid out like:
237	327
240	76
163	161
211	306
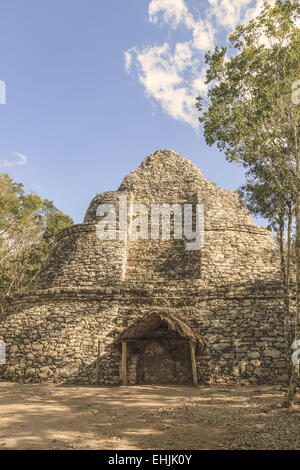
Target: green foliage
249	113
265	197
28	229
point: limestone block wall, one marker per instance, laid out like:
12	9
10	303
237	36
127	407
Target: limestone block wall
53	336
242	326
154	260
81	259
108	197
239	254
56	341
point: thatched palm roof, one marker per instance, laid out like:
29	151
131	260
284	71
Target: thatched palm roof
152	321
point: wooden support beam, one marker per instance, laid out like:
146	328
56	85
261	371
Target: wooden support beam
124	363
193	362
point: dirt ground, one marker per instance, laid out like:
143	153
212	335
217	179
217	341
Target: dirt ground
48	416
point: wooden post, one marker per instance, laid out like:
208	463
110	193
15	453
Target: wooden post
98	363
124	363
193	362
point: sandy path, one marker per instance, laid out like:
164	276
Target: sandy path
48	416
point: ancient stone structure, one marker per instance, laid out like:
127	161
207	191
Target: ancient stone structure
220	305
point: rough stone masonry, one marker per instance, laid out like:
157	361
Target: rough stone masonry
228	292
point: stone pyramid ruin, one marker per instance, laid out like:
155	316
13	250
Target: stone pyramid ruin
139	311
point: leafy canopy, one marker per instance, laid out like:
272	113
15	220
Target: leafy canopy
28	229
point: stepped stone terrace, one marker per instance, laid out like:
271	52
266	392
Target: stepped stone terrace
141	311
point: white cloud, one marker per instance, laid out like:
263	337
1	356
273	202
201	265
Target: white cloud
128	60
183	55
203	35
2	92
163	74
22	159
199	86
255	10
173	12
173	73
229	13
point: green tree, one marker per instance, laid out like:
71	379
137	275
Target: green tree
250	114
28	229
264	197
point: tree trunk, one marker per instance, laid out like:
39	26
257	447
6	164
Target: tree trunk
284	270
289	243
292	389
124	363
284	264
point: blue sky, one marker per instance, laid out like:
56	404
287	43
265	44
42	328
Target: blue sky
93	87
